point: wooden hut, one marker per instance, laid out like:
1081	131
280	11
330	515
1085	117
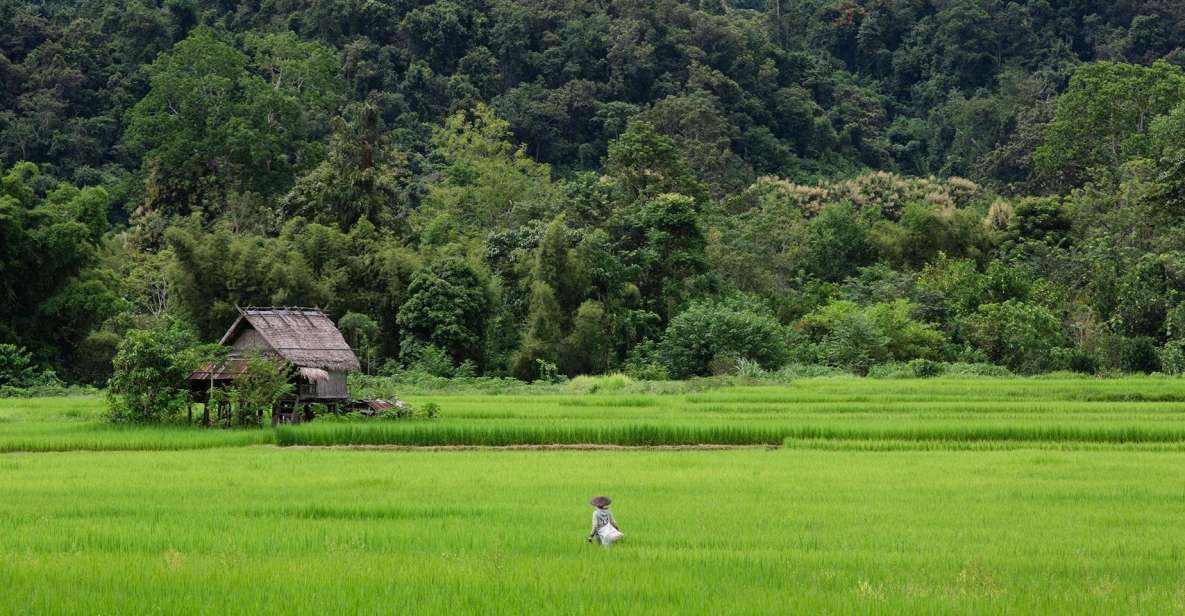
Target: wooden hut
305	339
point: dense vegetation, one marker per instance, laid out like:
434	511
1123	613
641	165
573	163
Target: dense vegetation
514	187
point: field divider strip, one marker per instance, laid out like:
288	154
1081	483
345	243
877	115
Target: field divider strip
537	447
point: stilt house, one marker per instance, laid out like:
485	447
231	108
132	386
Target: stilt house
305	339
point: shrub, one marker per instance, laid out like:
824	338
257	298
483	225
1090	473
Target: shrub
1073	359
890	370
1139	355
46	391
966	369
15	365
916	369
258	388
906	338
615	382
853	343
708	329
467	370
93	356
398	410
1129	354
807	371
724	364
844	335
429	359
17	369
647	371
150	372
924	368
1172	357
1017	334
548	372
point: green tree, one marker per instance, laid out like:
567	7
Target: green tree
50	297
363	177
486	182
662	240
841	334
446	307
556	266
646	164
700	131
93	356
17	368
734	326
151	368
363	334
588	347
543	338
845	335
905	337
1103	119
1017	334
837	243
1043	220
925	231
217	120
1146	292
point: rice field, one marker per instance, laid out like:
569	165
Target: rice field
301	531
898	497
924	414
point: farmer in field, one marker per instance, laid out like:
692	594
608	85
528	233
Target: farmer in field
604	527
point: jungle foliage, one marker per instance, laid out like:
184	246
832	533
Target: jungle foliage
531	189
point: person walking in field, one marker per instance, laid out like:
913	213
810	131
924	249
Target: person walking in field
604	528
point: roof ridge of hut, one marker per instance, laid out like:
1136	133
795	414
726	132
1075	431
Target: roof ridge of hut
306	337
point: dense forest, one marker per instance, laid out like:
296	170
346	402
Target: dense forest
532	188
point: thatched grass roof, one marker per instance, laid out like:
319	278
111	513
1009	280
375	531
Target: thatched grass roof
306	337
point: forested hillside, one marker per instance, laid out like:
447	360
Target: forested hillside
536	187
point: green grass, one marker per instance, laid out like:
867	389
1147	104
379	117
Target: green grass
1039	412
942	496
273	530
70	424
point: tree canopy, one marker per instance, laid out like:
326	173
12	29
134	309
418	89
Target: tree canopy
527	188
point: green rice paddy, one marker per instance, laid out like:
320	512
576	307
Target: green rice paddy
924	496
1037	412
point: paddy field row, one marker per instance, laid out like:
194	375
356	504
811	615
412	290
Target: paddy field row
928	413
308	531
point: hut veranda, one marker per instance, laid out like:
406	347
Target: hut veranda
315	353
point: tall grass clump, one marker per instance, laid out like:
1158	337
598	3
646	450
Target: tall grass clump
600	384
426	435
962	369
790	372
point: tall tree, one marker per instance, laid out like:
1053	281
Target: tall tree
1103	118
216	119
